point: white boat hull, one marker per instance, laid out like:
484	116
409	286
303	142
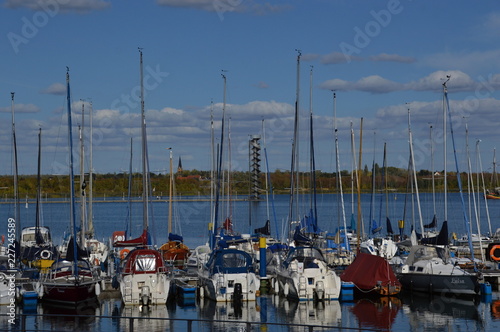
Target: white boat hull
144	289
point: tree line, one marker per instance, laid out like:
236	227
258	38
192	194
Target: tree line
196	182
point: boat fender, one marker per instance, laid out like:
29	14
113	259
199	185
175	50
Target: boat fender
97	289
124	253
45	254
39	289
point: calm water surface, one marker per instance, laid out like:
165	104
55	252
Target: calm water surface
191	219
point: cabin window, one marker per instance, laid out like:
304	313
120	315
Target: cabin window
145	264
234	260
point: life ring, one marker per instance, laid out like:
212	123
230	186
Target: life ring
45	254
96	262
124	253
493	249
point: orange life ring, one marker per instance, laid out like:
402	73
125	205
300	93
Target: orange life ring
124	253
96	262
492	252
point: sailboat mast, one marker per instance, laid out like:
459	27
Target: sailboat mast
494	174
293	176
145	184
38	185
219	169
91	176
484	186
17	211
82	180
71	175
445	173
212	159
312	160
432	171
339	176
358	175
459	180
414	172
130	191
170	192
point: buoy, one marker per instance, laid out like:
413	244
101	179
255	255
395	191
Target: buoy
45	254
495	252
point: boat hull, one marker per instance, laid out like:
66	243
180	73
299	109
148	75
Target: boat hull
306	287
134	288
442	284
65	292
222	287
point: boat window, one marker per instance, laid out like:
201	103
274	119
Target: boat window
145	263
234	260
29	237
306	252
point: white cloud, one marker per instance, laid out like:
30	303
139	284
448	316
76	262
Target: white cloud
465	61
338	57
373	84
21	108
55	89
459	82
80	6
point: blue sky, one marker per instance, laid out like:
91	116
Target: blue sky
381	58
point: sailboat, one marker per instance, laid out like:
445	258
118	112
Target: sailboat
174	251
37	248
428	267
98	250
144	279
229	274
72	280
304	275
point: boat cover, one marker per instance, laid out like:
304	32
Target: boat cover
367	271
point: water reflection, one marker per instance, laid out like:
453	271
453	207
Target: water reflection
142	318
307	312
440	312
69	317
379	313
233	314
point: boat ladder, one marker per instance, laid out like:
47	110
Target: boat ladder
127	296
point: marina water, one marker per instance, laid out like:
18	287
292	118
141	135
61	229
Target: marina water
191	217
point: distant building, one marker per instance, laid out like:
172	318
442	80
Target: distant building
179	167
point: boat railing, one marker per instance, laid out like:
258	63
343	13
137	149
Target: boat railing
185	324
